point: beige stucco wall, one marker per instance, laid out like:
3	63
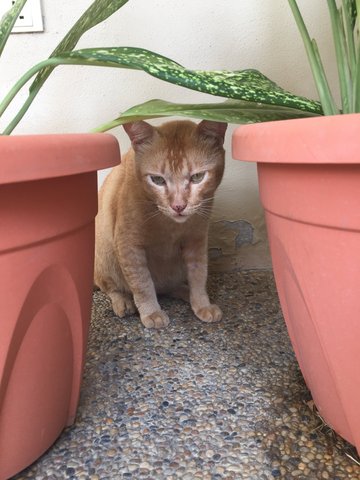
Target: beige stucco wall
201	34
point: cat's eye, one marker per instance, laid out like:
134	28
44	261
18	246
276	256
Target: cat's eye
158	180
197	177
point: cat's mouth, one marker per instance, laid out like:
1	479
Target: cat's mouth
180	217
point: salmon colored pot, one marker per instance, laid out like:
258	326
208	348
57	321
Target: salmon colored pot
309	180
48	202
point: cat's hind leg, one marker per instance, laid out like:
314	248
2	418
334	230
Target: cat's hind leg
122	303
108	277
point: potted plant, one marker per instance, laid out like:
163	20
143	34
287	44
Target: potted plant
48	202
309	174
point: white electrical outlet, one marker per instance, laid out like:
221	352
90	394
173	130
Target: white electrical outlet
30	18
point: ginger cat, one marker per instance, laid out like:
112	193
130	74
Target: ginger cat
152	225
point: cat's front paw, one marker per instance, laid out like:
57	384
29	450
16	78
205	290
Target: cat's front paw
211	313
157	319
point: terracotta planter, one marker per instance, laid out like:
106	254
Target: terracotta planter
48	201
309	180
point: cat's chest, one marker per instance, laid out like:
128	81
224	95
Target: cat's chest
166	239
164	243
164	259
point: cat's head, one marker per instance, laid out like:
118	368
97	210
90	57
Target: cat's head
180	164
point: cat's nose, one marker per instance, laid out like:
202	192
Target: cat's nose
178	208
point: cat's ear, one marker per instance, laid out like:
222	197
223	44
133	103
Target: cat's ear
216	130
139	133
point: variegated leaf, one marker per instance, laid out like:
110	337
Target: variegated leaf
8	21
98	11
230	111
248	85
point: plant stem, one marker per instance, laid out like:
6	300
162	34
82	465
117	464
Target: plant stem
22	81
341	56
356	74
356	84
14	122
349	37
323	87
321	83
50	62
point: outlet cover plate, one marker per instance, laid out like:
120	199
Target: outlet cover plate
30	18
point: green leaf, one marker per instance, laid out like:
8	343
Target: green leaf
230	111
326	97
349	21
98	11
339	37
350	5
356	91
248	85
8	21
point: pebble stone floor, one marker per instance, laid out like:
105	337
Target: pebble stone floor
196	401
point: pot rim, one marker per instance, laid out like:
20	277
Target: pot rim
37	157
314	140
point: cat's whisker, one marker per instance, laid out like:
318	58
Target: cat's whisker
213	208
152	216
203	213
205	207
162	209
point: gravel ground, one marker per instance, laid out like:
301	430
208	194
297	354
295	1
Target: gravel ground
196	401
